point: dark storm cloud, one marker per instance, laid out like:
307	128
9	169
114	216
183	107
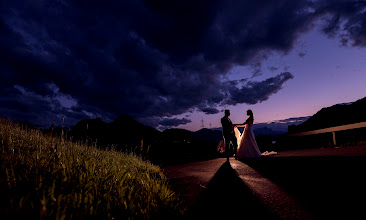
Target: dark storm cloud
209	110
273	68
301	54
149	58
257	69
344	19
166	123
254	92
26	106
174	122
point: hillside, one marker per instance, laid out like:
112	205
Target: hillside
45	177
123	131
340	114
128	135
171	145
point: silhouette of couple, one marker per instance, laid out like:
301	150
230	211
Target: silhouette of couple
244	144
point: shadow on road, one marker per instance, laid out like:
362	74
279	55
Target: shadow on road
227	197
330	187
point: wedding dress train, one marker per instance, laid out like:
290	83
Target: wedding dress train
247	145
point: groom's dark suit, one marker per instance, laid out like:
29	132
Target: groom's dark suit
229	135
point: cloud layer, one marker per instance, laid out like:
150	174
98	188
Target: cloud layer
151	58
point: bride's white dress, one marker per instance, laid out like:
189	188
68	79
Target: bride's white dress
247	145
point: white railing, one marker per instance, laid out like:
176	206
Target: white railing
331	129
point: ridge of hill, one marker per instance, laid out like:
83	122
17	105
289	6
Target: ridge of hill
336	115
123	130
174	145
126	134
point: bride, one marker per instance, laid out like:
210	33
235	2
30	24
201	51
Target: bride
247	145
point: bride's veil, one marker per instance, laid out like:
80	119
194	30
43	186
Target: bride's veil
238	135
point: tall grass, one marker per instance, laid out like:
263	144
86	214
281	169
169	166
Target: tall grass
50	178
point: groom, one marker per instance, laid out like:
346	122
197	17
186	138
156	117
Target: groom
228	134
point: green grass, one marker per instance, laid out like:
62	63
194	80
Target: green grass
50	178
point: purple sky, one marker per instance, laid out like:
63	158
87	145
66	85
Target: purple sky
327	74
174	63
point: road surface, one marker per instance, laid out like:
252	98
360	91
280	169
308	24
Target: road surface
304	184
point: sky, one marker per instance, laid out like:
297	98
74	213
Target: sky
178	63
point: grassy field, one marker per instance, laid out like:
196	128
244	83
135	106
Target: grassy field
50	178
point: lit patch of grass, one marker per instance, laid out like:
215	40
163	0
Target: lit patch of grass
47	177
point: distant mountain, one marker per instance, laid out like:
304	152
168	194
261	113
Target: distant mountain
209	135
278	127
340	114
275	128
126	129
121	133
171	145
126	134
265	131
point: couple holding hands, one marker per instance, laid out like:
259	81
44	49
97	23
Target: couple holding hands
244	144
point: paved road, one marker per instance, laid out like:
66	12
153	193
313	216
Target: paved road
305	184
